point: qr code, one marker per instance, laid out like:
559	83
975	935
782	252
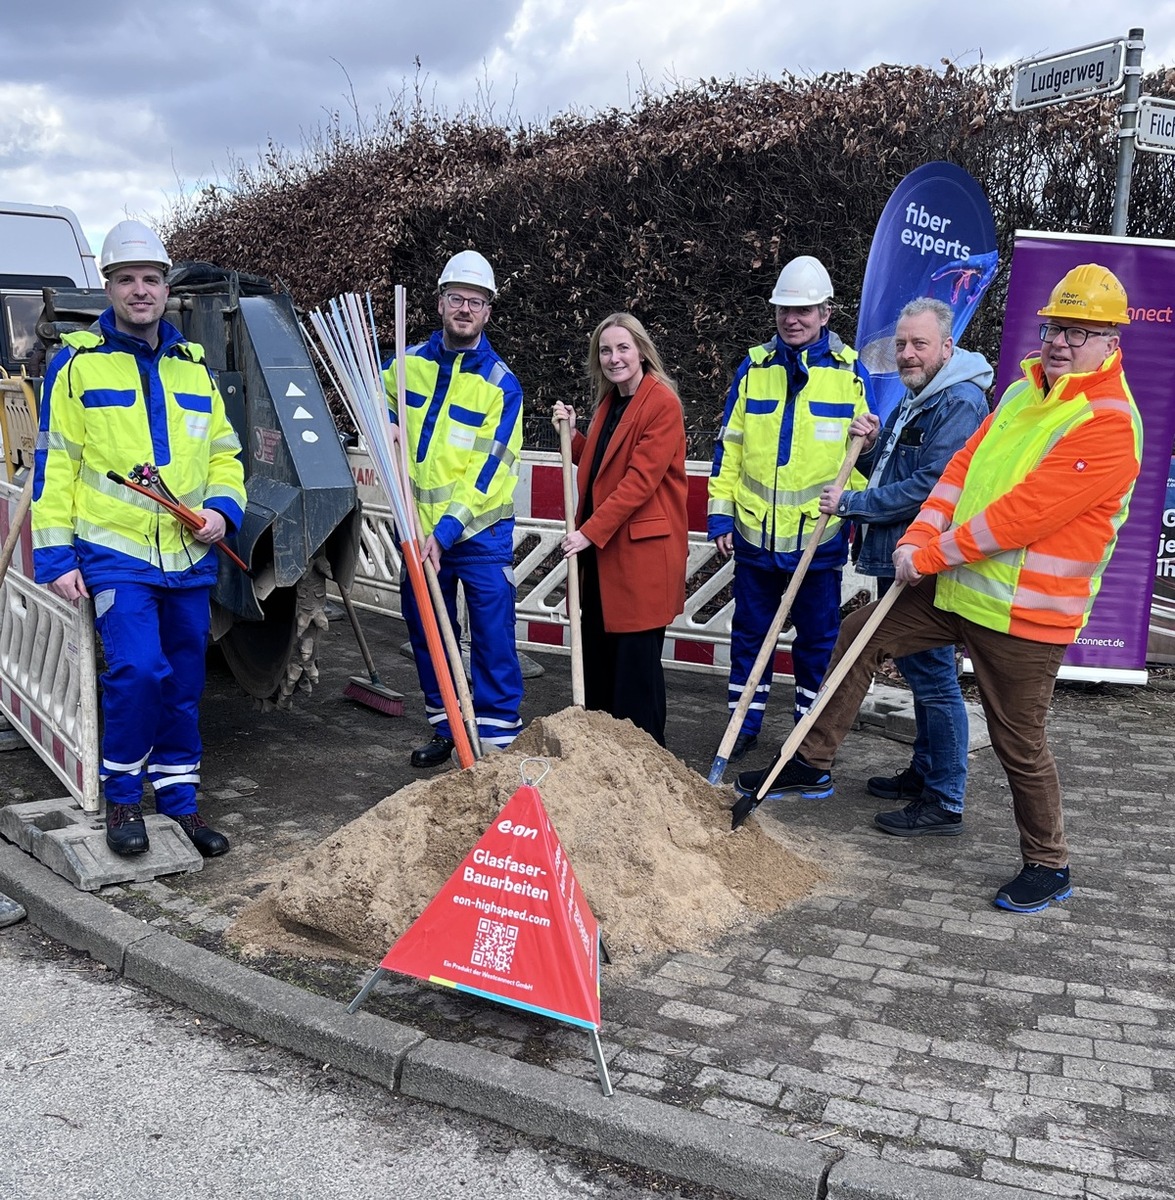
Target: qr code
493	946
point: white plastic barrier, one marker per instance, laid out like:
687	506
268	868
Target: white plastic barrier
698	640
48	685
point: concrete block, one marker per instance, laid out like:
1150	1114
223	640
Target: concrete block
742	1159
11	740
282	1014
83	922
890	710
72	843
856	1177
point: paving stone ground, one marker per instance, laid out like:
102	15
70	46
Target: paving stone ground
895	1014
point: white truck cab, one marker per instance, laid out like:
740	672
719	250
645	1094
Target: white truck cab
40	246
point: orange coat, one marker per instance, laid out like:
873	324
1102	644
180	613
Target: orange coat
638	523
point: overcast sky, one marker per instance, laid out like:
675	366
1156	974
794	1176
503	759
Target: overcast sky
115	109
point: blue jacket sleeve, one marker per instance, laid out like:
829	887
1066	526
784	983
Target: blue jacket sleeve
956	416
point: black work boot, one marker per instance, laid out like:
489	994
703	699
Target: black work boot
433	753
207	840
905	785
125	831
743	745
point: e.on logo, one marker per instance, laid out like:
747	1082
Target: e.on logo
519	831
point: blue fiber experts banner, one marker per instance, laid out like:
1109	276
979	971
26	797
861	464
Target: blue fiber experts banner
935	238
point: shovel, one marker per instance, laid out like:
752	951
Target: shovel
745	805
766	652
573	616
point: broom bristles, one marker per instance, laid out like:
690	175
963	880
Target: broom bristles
374	696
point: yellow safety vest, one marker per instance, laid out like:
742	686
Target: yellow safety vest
775	503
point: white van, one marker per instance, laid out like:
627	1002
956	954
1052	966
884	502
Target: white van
40	246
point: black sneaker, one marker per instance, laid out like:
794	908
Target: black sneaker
795	776
743	745
813	783
433	753
920	818
125	831
1034	889
207	840
905	785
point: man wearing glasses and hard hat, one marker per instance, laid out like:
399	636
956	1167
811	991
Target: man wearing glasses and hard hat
1015	538
464	430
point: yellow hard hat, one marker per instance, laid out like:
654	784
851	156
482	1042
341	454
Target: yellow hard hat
1089	292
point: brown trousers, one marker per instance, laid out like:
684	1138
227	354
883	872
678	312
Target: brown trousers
1015	678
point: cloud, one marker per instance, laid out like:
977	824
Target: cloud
158	99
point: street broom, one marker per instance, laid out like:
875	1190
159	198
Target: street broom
370	692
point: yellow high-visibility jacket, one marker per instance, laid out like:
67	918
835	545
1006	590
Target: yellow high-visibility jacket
110	403
464	426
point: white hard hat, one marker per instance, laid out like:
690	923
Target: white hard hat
802	282
470	268
132	242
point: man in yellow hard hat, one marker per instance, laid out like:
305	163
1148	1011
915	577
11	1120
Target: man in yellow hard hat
785	431
1014	538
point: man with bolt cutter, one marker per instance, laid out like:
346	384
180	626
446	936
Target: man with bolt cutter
130	390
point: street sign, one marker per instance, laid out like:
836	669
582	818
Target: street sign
1156	125
1094	70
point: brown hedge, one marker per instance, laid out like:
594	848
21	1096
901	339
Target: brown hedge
681	209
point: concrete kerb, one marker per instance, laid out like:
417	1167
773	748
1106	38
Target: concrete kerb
856	1178
742	1159
747	1161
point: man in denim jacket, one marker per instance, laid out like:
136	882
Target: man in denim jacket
943	406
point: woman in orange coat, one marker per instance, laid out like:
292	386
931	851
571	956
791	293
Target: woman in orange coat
630	537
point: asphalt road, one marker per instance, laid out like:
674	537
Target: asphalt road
106	1090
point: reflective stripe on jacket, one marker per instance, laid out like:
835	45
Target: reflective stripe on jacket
110	403
1026	515
464	436
783	438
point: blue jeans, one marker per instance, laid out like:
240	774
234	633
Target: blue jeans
940	745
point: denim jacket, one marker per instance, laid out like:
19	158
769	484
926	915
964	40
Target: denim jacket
954	405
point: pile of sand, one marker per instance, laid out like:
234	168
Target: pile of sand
649	839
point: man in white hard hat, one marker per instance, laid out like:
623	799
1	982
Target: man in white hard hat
784	435
464	430
131	390
944	404
1007	557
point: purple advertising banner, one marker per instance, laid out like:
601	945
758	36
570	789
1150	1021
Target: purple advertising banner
1113	645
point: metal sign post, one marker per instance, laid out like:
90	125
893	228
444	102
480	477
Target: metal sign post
1127	128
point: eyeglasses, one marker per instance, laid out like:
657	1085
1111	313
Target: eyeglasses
456	302
1075	336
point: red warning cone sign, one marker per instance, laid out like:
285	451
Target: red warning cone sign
511	923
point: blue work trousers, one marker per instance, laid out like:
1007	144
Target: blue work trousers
815	615
493	655
153	640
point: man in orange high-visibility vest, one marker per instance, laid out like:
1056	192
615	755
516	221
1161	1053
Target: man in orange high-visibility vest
1015	537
